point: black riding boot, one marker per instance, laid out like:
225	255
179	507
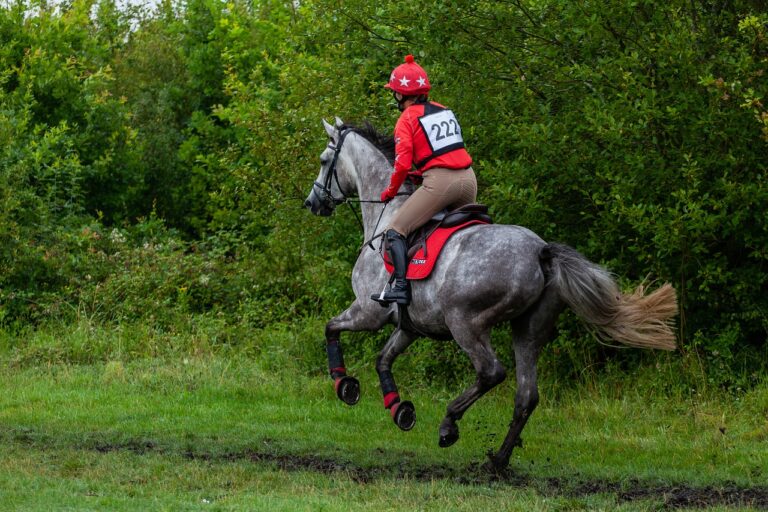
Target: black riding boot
399	291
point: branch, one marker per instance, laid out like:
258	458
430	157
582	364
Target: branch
368	29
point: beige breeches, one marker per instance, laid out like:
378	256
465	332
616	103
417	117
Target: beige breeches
442	188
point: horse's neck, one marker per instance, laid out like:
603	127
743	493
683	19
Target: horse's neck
376	217
372	174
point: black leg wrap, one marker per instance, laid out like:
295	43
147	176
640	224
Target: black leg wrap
387	382
335	359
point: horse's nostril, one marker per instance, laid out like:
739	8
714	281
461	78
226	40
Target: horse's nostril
307	204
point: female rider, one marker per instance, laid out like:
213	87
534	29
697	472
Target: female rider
428	147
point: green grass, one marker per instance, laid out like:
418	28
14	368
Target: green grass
222	434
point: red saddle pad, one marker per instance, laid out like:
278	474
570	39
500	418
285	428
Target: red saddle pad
421	265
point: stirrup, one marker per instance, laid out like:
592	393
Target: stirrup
385	301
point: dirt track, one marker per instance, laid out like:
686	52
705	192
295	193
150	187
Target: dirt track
668	496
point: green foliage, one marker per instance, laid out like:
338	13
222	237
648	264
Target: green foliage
597	126
153	163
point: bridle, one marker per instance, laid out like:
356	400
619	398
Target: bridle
326	196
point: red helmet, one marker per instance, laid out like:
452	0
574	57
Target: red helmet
409	79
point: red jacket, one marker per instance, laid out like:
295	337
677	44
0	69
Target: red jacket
427	135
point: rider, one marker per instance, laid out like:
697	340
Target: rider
429	148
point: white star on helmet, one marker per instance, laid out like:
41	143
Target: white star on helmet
422	81
404	82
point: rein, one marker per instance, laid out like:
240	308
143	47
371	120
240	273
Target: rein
327	193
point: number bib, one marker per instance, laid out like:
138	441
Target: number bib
442	130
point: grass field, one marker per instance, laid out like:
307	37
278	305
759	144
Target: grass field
214	434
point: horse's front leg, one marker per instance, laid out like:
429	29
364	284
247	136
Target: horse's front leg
403	413
354	318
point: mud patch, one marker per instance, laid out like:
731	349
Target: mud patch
137	446
701	497
668	497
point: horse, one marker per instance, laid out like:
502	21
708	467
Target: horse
486	275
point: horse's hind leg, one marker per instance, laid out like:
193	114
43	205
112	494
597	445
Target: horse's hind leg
403	413
532	332
490	373
353	319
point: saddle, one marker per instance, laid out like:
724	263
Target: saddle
425	243
446	219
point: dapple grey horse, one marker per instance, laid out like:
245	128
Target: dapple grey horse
485	275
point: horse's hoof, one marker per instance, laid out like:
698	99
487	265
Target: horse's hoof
495	465
449	433
348	390
404	414
448	439
493	468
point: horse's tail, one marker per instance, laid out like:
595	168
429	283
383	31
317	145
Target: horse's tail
634	319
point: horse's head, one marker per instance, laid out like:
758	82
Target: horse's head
331	187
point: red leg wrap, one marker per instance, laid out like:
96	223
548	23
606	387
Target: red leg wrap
391	399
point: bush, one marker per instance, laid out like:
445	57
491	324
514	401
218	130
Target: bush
635	132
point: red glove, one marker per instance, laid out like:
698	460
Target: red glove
387	196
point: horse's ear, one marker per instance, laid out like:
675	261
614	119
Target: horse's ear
330	130
339	122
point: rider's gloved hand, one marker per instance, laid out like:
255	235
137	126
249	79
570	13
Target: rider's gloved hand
387	196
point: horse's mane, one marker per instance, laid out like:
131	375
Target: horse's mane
383	142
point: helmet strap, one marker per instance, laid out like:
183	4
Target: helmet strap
401	99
